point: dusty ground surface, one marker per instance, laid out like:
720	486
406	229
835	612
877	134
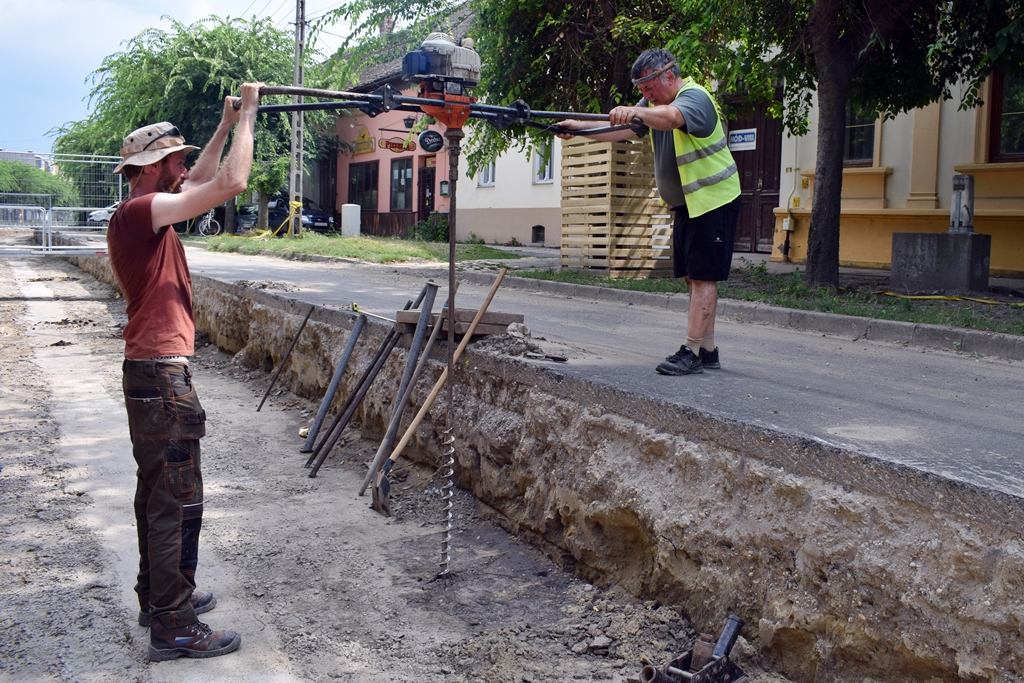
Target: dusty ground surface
321	587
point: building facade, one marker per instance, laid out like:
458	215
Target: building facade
898	175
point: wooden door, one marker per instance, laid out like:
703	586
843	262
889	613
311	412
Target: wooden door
756	145
426	192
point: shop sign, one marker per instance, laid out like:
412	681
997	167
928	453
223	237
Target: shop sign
743	140
397	144
431	141
364	143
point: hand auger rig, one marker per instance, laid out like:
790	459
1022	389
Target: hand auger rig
446	71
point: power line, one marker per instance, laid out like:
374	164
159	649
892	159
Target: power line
264	10
320	12
247	8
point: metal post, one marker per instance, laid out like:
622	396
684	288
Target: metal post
298	76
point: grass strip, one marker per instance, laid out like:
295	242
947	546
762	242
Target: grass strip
372	249
753	282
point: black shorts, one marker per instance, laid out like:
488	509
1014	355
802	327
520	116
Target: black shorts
702	246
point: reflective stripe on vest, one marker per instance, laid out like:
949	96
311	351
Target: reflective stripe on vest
707	170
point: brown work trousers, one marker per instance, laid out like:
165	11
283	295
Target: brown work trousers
166	421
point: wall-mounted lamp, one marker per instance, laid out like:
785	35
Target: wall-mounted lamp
409	121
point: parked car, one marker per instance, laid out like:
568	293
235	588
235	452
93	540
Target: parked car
101	216
313	217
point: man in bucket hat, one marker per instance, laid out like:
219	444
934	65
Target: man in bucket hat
165	418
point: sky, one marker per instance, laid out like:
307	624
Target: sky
48	48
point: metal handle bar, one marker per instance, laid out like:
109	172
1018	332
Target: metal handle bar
388	99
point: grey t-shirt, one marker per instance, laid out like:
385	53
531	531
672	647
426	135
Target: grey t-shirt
701	116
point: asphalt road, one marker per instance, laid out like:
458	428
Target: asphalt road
951	414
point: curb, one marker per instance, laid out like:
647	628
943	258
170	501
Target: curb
919	335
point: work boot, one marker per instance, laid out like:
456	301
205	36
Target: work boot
683	362
196	640
201	603
709	359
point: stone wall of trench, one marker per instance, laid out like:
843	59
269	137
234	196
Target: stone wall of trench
844	568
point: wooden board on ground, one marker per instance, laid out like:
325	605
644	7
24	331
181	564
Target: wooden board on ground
493	322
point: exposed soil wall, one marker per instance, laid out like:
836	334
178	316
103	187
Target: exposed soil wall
844	567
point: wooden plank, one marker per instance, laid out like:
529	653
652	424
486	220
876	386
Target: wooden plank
463	315
460	328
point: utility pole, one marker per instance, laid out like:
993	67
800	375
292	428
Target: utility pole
298	79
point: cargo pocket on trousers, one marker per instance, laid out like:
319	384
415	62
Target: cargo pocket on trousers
146	416
179	471
186	417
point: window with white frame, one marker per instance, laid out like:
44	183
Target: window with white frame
485	177
543	168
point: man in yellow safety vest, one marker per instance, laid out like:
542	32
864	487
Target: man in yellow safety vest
696	176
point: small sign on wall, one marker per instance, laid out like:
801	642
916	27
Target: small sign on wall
364	143
744	140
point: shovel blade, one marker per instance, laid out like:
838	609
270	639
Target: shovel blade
382	494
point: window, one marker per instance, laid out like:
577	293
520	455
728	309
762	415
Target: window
859	141
486	176
1006	129
543	169
401	184
362	185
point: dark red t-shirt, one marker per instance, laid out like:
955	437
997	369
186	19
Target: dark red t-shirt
153	274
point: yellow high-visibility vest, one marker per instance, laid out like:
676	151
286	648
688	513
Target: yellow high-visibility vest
707	170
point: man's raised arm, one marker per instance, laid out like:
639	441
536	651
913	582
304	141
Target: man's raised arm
230	179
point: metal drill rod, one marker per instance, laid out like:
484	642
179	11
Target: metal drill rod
286	357
332	389
388	99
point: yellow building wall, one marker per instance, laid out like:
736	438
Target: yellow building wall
865	236
911	172
866	226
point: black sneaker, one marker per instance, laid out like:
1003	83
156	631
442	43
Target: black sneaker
683	362
201	602
197	640
709	359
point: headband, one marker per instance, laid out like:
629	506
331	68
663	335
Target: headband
654	74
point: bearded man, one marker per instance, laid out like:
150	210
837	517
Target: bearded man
165	418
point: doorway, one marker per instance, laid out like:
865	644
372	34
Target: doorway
426	193
755	139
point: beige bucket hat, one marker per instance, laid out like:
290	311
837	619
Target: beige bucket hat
150	144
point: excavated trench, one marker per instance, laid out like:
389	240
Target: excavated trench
843	566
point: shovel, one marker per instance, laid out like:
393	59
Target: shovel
381	485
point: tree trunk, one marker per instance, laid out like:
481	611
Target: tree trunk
230	224
262	217
835	68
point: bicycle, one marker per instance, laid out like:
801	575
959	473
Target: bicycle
208	226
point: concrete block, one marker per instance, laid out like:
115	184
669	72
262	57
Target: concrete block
1007	346
829	323
940	262
771	315
890	331
938	337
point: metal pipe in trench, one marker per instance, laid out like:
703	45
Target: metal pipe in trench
332	389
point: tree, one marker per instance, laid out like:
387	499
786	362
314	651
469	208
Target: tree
19	178
182	76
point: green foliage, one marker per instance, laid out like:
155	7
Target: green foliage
182	76
434	229
16	177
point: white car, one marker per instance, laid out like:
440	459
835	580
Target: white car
101	216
